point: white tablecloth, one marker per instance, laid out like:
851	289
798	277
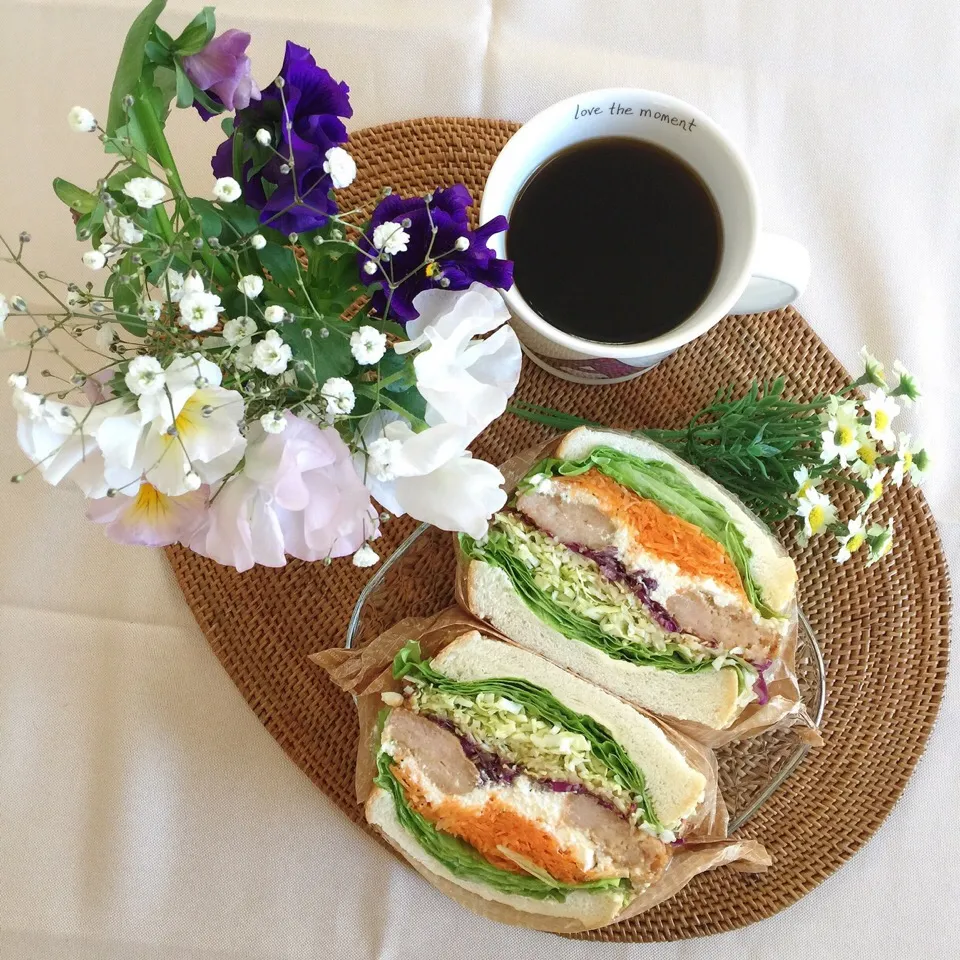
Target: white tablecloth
144	812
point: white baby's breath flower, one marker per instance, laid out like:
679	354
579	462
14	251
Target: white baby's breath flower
274	314
907	387
274	421
263	137
271	354
382	456
339	395
258	241
81	120
4	311
144	376
243	358
149	310
170	285
200	311
251	286
879	541
121	229
239	329
816	510
370	267
873	368
146	191
104	337
193	283
341	167
94	260
882	409
390	238
18	381
874	489
462	244
851	541
366	556
226	189
368	344
191	480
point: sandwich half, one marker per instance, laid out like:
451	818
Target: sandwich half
631	568
525	785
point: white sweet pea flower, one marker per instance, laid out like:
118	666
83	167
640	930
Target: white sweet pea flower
368	344
390	238
251	286
852	541
81	120
341	167
171	284
882	409
226	189
144	376
274	314
366	556
258	241
200	311
121	229
271	355
465	381
339	395
146	191
239	329
274	421
94	260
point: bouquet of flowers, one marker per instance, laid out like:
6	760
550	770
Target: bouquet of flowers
265	361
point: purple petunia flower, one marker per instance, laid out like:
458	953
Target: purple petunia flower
476	262
296	201
222	68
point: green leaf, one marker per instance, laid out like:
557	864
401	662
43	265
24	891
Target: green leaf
157	53
197	33
90	221
268	187
208	104
130	65
411	401
279	261
226	125
245	220
162	37
210	221
184	88
73	196
126	304
327	356
161	88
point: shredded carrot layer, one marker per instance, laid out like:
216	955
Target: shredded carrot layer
663	534
488	827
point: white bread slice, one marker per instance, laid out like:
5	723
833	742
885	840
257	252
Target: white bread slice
772	568
593	909
709	697
675	788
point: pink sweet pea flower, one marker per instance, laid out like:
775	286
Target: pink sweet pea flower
223	69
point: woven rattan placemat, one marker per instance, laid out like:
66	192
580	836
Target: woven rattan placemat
883	630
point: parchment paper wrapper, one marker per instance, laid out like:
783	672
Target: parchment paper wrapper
784	707
366	673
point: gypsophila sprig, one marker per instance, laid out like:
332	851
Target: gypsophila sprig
234	356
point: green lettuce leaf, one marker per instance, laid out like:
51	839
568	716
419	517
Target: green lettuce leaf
666	486
544	705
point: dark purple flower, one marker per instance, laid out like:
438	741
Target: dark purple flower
222	68
297	200
476	262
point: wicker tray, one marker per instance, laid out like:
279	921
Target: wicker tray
883	630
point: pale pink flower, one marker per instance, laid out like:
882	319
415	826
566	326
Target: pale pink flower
151	518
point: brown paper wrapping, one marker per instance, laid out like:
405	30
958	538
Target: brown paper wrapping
785	706
366	673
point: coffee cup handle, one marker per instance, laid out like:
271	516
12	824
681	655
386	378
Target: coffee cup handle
780	271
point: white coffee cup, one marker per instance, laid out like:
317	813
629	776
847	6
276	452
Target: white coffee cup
758	271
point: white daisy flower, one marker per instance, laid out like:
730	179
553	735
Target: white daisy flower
251	286
817	512
144	376
874	489
339	396
804	481
271	355
840	437
872	368
81	120
274	421
882	409
226	189
879	541
368	345
852	541
867	454
390	238
341	167
907	387
238	329
366	556
146	191
274	314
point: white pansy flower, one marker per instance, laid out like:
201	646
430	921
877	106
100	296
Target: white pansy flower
274	314
121	229
226	189
105	336
239	329
146	191
81	120
341	167
170	285
251	286
274	421
390	238
200	311
339	395
18	381
94	260
258	241
368	345
874	489
144	376
263	137
879	541
366	556
271	355
852	541
816	510
872	368
882	409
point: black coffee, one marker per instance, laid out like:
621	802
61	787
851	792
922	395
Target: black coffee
615	240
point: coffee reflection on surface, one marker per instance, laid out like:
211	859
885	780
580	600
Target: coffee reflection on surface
615	240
